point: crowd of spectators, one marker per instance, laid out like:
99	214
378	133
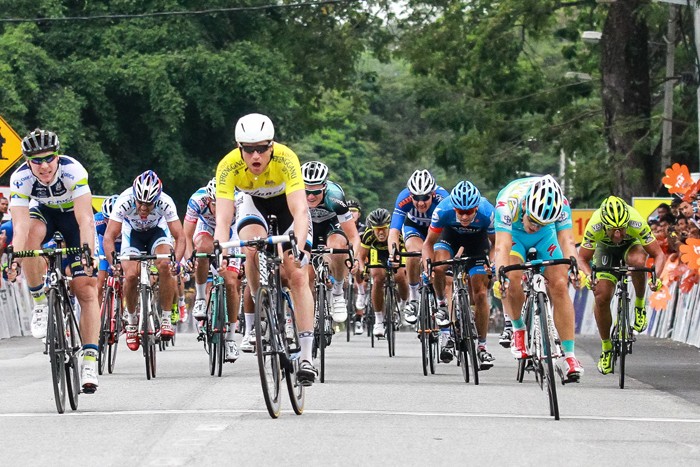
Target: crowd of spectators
673	224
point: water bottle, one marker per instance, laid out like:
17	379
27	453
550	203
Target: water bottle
288	324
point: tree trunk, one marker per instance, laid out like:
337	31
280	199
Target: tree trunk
627	99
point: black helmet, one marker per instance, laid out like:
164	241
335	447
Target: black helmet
380	217
353	204
39	141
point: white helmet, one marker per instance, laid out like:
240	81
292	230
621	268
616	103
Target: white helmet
147	187
421	183
545	200
314	173
211	188
254	128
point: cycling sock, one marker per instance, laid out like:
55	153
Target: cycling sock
639	302
38	294
249	322
361	289
230	334
414	292
306	341
200	291
379	318
568	348
166	315
181	300
90	352
131	318
607	345
518	324
482	344
338	286
507	323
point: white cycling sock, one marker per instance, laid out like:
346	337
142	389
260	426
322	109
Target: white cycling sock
414	295
306	343
200	291
249	322
379	318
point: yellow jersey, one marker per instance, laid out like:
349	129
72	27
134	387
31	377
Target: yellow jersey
281	176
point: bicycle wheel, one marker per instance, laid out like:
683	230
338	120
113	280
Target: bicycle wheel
153	339
321	305
547	356
470	338
211	336
294	388
526	316
389	320
147	333
105	331
55	341
624	335
266	350
350	305
434	336
115	333
73	345
220	331
424	328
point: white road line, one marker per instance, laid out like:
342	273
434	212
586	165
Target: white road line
346	412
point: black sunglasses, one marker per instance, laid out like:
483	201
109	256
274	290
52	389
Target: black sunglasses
40	160
314	192
259	148
421	197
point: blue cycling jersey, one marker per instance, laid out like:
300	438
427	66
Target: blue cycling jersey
444	217
404	208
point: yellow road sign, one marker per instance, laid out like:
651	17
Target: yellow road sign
10	146
580	218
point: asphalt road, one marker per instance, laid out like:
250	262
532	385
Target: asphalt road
372	410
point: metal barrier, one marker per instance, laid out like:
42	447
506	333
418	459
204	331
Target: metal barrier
15	309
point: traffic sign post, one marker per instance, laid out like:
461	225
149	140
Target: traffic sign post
10	147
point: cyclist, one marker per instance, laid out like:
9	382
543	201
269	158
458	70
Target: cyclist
533	212
463	220
411	218
142	215
199	226
615	232
268	176
375	247
333	226
356	211
101	220
50	193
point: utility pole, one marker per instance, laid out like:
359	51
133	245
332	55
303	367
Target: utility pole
667	127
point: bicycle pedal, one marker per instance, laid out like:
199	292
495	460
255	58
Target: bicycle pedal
89	389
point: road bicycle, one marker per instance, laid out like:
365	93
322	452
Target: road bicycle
278	357
323	322
622	334
466	335
543	344
428	330
392	313
111	325
215	328
63	342
149	308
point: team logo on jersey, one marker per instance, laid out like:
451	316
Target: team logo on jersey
551	249
635	224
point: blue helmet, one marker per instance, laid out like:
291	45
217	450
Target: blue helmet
108	205
465	195
545	201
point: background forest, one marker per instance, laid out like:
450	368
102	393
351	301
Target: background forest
479	90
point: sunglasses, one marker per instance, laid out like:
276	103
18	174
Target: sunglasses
380	227
421	197
466	212
259	148
40	160
314	192
143	203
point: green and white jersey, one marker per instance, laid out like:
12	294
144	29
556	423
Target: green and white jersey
637	229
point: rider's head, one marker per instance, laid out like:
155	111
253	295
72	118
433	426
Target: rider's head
315	174
545	201
614	213
421	185
40	148
108	205
211	189
147	187
254	135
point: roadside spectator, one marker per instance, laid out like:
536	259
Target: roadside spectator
663	210
4	205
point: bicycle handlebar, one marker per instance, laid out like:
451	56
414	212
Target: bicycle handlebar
169	256
258	242
623	270
349	261
537	263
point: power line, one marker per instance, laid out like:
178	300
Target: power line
152	14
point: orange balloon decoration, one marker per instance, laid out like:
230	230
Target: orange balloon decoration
678	179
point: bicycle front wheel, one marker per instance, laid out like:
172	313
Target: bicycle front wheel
623	326
469	337
56	342
424	328
103	341
547	356
321	304
266	350
211	337
294	388
220	331
73	345
115	332
389	321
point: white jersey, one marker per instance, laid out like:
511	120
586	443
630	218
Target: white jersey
198	208
125	211
69	183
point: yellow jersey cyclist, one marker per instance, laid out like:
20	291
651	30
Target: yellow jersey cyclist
375	248
268	175
533	213
50	193
616	232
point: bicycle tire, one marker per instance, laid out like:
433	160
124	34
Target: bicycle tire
350	306
103	340
526	316
209	326
268	358
547	356
294	388
424	328
321	303
389	320
153	339
434	338
220	330
116	330
470	338
55	342
73	346
624	330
